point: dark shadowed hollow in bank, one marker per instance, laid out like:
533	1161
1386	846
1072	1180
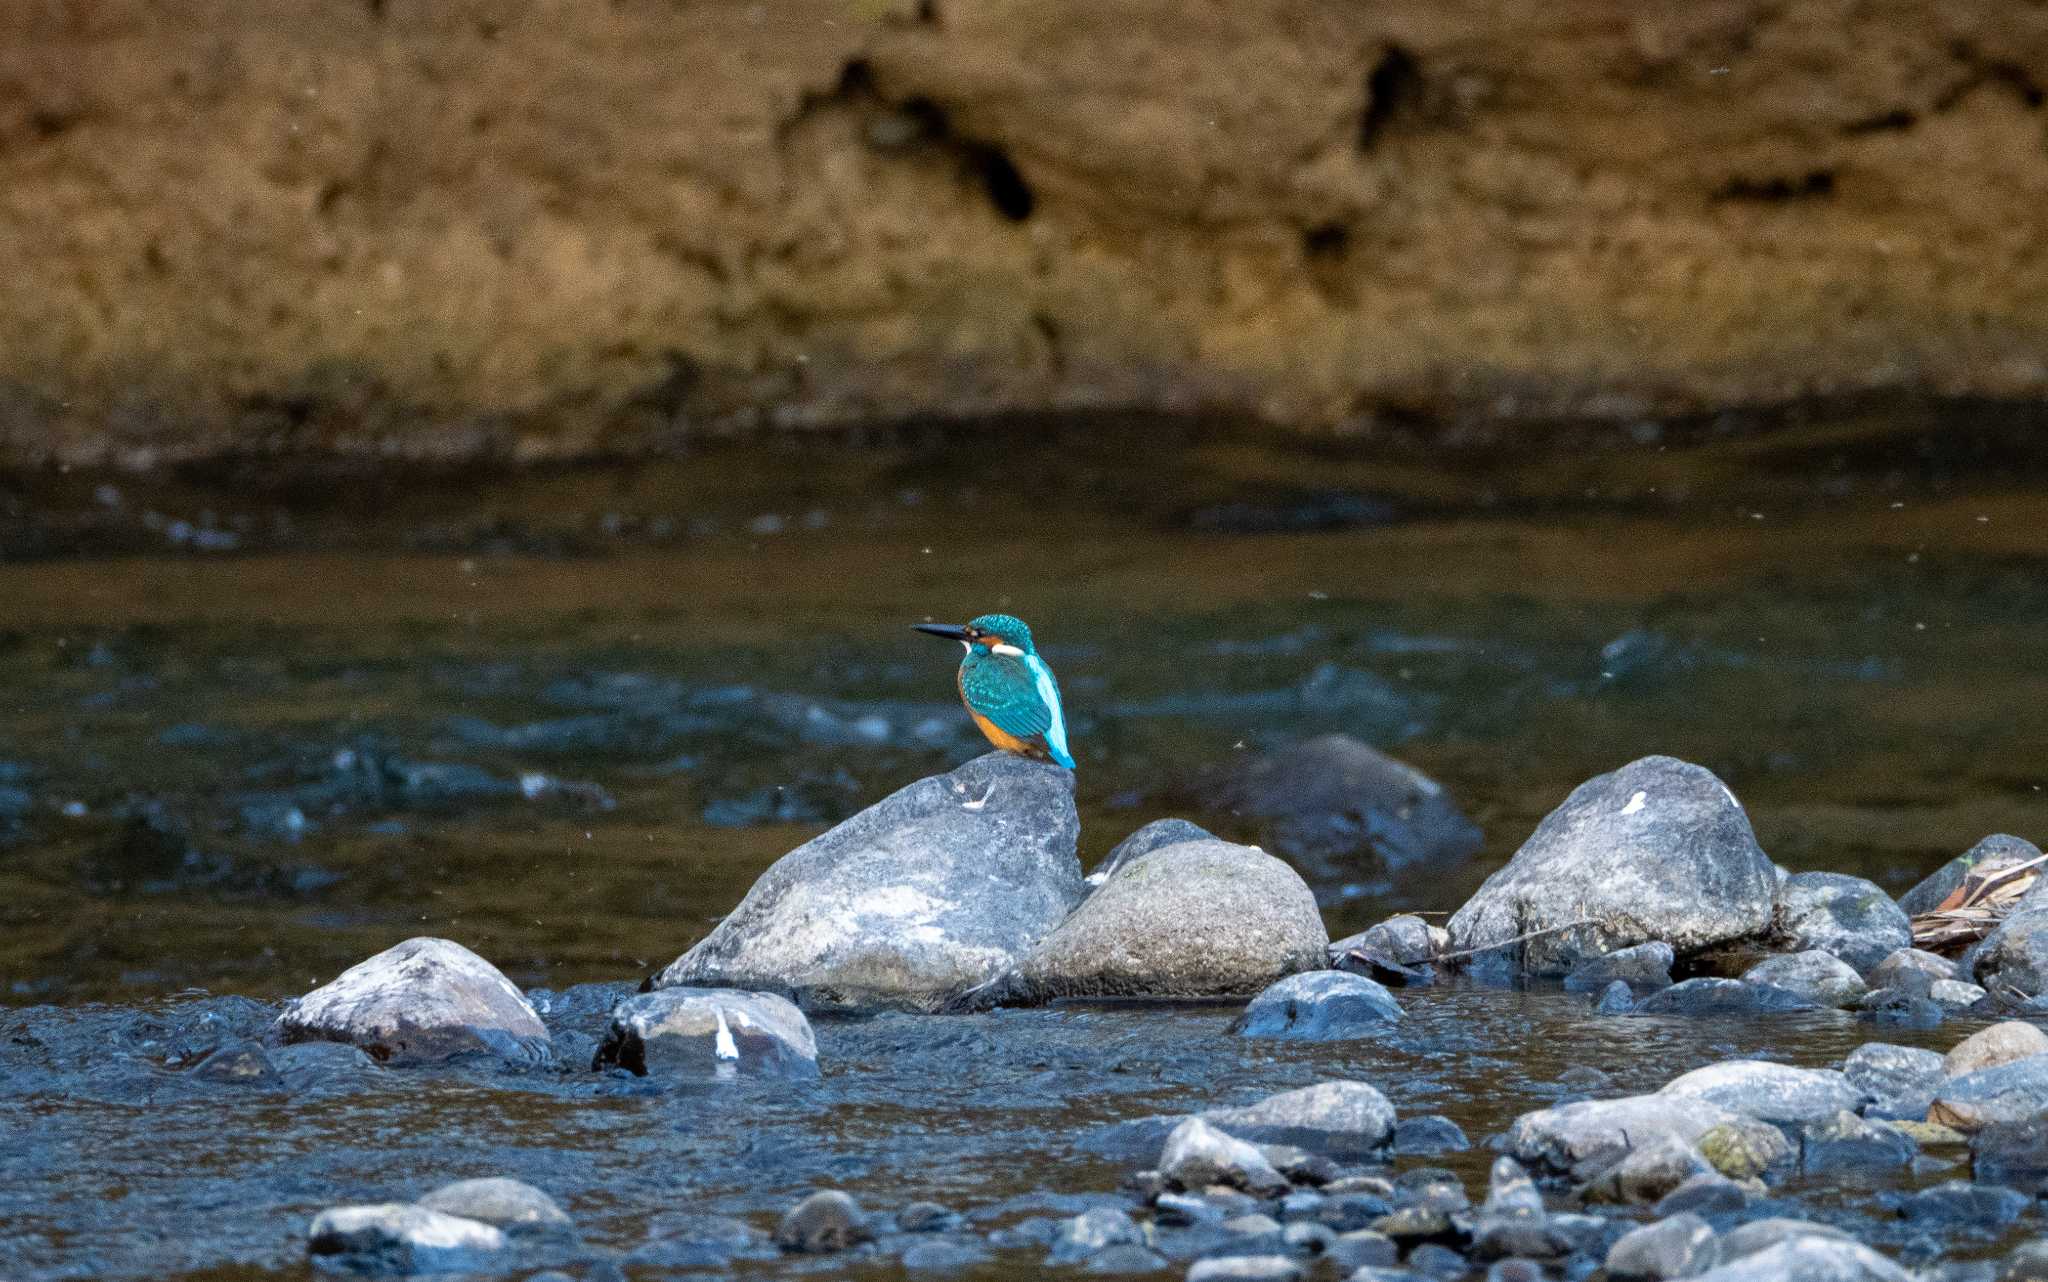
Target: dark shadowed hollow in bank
267	716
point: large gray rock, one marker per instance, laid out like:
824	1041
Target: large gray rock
1194	919
392	1237
1647	1173
1847	916
1659	849
1584	1139
1349	1120
1332	800
709	1032
1776	1093
1822	978
1942	882
1320	1006
418	1002
931	891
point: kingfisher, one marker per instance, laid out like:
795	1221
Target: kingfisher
1008	689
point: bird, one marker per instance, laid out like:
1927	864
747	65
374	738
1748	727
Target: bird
1008	689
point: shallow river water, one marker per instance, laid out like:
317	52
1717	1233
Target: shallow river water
258	724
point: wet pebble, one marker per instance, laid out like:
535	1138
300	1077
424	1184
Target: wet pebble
1198	1155
1935	967
1961	1203
420	1001
238	1064
1847	916
1617	999
1245	1268
1707	1193
1192	919
1093	1230
1999	1044
1642	966
1340	1119
1720	997
825	1221
944	1255
1820	977
1847	1142
1648	1172
1678	1246
1743	1148
1900	1080
1124	1259
1320	1006
926	1217
1428	1135
511	1205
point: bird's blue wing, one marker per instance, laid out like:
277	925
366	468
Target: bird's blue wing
1049	695
1002	689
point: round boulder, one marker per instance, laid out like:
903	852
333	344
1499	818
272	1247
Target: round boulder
931	891
1194	919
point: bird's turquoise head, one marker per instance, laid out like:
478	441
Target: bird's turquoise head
990	633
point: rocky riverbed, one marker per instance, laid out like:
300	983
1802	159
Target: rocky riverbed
1800	1121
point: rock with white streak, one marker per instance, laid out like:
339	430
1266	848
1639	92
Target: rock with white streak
394	1238
934	890
421	1001
709	1032
1657	850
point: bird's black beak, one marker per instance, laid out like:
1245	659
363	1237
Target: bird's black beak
950	631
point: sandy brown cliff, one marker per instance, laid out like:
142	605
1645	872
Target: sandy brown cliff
553	226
